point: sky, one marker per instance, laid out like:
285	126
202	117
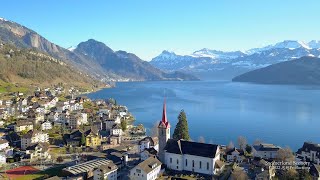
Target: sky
147	27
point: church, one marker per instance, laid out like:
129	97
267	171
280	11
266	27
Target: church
182	155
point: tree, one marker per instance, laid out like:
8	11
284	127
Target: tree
201	139
242	142
123	125
248	149
154	130
59	159
257	142
285	154
230	145
83	140
181	131
238	174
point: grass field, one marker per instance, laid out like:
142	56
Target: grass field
42	174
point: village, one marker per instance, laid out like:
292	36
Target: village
57	134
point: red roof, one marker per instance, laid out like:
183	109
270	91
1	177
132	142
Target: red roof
164	122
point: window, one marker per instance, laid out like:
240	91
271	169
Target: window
170	160
200	164
186	162
207	166
192	163
177	161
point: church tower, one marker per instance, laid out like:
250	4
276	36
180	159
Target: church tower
163	132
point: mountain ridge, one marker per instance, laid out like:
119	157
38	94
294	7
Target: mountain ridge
303	71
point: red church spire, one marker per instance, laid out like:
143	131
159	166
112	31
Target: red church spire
164	122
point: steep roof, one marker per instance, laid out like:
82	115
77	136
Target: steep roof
149	164
108	167
191	148
164	123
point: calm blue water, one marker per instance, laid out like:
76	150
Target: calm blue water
220	111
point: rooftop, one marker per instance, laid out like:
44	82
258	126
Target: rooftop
87	166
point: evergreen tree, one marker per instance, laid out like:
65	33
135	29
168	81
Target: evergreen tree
181	131
83	140
123	125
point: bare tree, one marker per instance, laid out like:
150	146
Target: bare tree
238	174
257	142
285	154
154	130
230	145
201	139
242	142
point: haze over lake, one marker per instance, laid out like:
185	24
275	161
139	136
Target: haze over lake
220	111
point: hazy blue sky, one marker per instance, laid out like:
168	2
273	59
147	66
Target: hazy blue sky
147	27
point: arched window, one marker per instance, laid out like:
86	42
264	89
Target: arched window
192	163
207	166
177	161
200	164
186	162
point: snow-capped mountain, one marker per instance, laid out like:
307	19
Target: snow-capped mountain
214	54
234	63
288	44
72	48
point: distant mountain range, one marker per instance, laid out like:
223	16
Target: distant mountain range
226	65
303	71
91	57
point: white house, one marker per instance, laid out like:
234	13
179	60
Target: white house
4	144
3	158
116	130
310	152
181	155
265	151
148	142
23	125
38	151
146	153
234	155
46	126
104	172
148	169
33	137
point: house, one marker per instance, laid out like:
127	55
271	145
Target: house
114	140
38	151
265	151
148	142
3	158
86	169
46	125
4	144
93	138
148	169
74	138
315	171
104	172
181	155
23	125
116	130
310	152
149	152
76	119
32	137
234	155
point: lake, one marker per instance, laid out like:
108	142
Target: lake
220	111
